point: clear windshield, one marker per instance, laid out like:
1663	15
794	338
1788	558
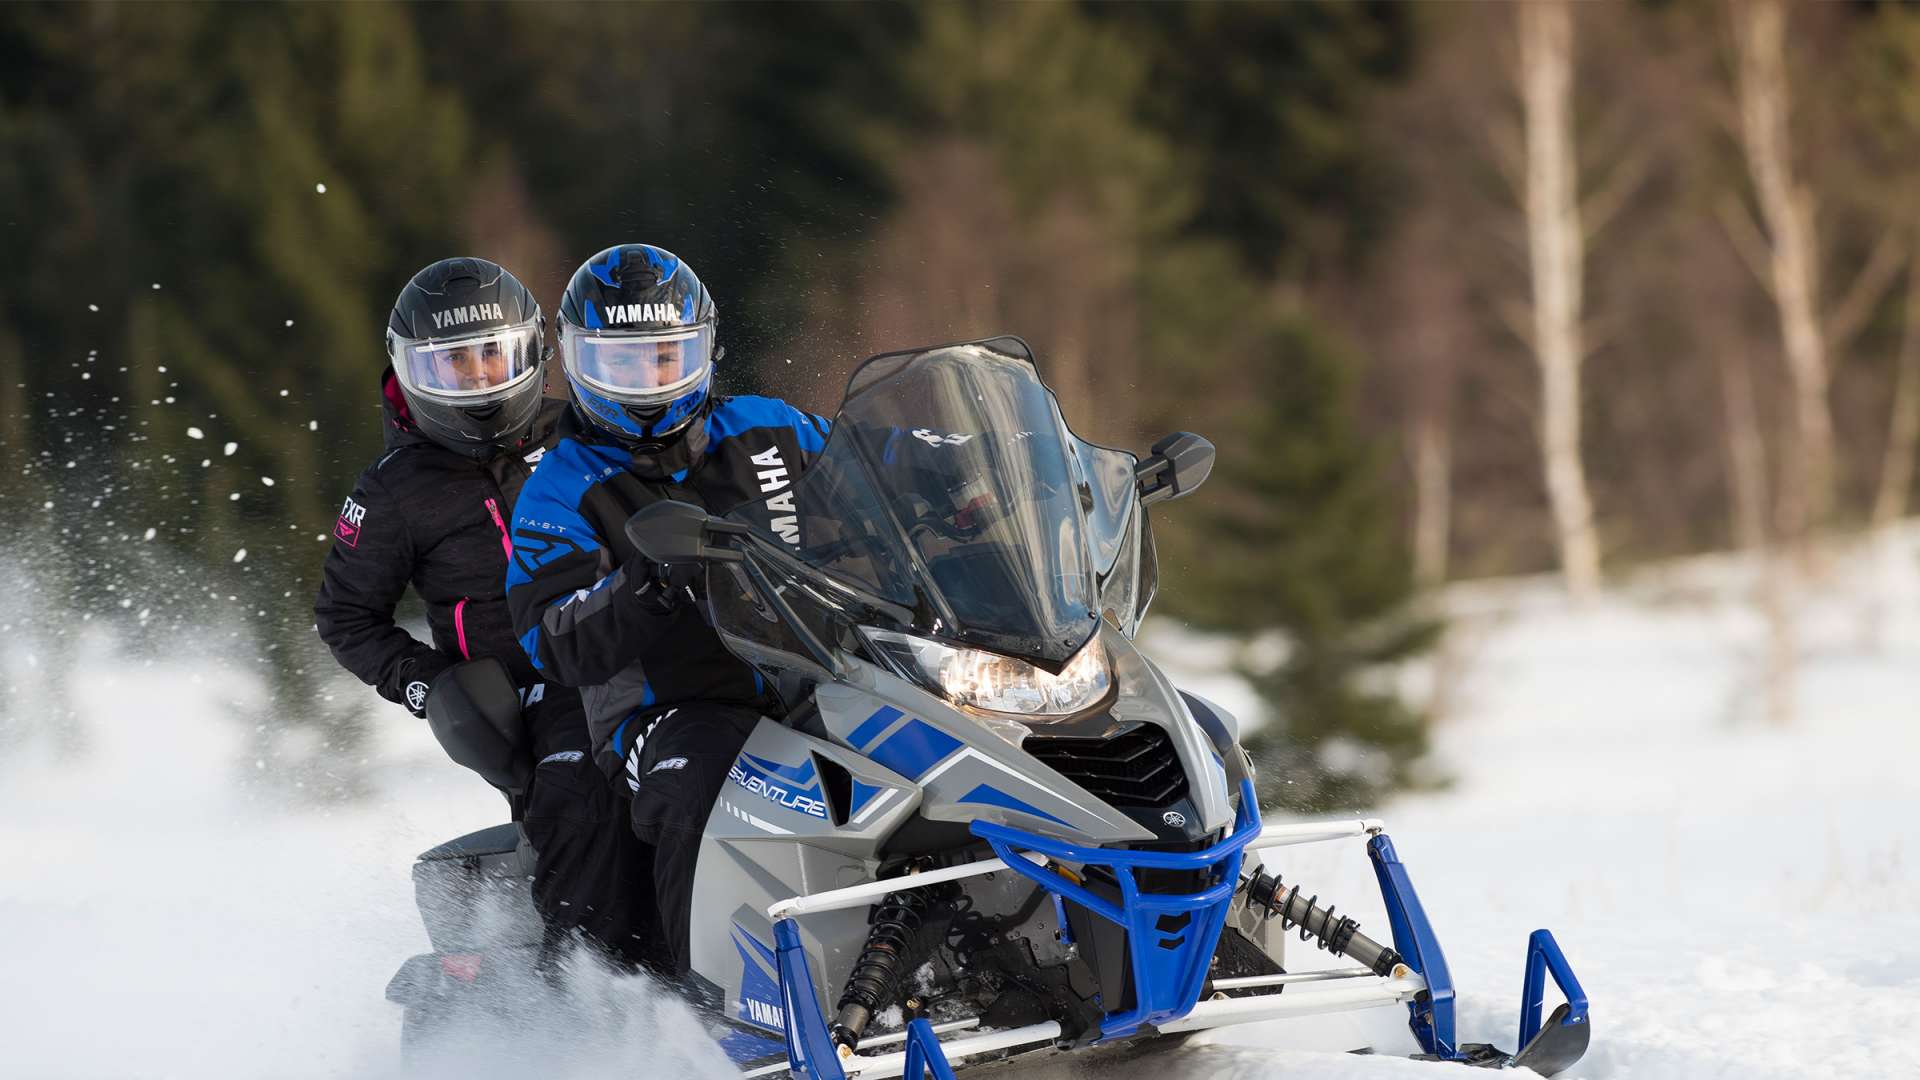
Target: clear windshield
952	488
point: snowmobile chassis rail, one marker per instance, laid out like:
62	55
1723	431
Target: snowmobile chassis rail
1169	968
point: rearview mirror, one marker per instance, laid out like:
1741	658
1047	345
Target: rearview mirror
474	710
1176	466
677	532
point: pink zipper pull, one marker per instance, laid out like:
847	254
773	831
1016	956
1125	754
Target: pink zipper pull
506	543
460	627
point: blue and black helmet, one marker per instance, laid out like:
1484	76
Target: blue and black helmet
637	341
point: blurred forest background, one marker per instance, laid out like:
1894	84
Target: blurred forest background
1459	290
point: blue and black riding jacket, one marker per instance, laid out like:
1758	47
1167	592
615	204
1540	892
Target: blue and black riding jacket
586	604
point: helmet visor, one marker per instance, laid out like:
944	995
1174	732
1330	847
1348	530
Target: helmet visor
471	368
640	369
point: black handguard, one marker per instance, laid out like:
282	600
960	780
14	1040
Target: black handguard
474	710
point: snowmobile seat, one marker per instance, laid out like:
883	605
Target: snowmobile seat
474	893
502	839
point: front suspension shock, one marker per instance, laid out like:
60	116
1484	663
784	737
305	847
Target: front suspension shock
1337	934
892	949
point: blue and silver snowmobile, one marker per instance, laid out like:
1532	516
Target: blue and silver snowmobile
987	825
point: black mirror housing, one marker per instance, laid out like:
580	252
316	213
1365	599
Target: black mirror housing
1176	466
474	711
677	532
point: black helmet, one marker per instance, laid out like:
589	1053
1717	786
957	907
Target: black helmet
468	345
637	339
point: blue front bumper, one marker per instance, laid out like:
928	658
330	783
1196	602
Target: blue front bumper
1171	940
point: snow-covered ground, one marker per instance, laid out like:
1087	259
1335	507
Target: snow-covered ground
1739	900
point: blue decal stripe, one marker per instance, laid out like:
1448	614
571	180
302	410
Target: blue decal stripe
765	952
873	726
915	748
988	795
744	1049
862	795
758	984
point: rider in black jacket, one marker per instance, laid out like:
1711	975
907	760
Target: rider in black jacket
465	425
666	702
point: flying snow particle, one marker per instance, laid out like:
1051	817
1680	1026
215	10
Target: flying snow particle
149	535
240	556
283	393
289	322
204	462
48	505
320	189
322	537
195	433
144	612
86	375
93	307
156	286
235	497
230	448
267	480
313	425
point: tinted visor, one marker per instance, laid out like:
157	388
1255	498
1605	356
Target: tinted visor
468	368
639	369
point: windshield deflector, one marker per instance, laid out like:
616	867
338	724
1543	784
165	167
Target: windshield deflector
951	488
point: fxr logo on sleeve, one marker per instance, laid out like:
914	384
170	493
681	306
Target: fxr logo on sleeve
347	529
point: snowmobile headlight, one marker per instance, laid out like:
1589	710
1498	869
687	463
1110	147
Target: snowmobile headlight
990	681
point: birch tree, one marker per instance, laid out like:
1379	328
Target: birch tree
1557	250
1903	436
1789	266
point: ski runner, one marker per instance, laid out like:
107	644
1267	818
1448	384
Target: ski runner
465	424
668	706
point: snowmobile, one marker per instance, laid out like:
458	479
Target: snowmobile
986	826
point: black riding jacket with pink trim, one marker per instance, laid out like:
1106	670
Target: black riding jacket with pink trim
424	516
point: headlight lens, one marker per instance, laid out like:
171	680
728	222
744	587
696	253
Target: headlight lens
984	680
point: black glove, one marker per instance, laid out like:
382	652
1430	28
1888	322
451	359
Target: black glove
415	681
677	578
664	586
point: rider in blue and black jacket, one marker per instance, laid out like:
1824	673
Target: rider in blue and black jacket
668	707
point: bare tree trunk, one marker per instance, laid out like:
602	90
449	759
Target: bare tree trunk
1778	597
1786	208
1557	249
1746	452
1777	586
13	396
1903	436
1432	499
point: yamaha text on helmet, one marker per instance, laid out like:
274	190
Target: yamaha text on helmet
468	343
637	339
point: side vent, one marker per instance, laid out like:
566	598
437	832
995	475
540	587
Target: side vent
837	782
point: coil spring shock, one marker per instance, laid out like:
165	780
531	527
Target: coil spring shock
892	936
1336	934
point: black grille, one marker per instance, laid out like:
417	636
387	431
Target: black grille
1135	768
